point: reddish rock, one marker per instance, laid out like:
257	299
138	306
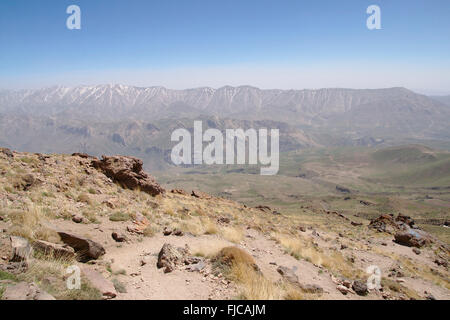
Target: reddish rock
99	282
140	223
127	171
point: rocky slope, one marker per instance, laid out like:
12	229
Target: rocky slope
132	239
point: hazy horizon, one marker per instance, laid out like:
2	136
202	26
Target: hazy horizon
285	45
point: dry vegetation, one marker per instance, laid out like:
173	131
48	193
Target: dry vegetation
64	186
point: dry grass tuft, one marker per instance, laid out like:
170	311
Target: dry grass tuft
230	256
332	260
29	224
232	234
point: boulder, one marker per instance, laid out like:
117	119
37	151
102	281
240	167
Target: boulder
127	171
99	282
21	249
53	249
86	249
384	223
406	220
170	257
140	223
25	291
412	238
360	287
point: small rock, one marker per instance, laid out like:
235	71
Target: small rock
347	283
77	218
118	237
312	288
288	274
178	232
199	266
416	251
441	262
343	289
224	220
144	261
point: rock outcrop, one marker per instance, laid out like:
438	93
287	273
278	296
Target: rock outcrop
127	171
387	223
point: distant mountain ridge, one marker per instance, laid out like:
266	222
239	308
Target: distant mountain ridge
119	100
138	121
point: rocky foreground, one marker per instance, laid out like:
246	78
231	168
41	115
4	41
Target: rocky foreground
132	239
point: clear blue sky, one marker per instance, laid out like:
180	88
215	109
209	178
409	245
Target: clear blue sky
189	43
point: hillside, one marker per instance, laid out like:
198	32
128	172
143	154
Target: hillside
122	229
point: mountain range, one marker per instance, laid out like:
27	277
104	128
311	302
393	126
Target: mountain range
139	121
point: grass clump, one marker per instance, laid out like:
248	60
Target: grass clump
239	266
120	216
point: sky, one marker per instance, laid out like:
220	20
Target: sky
286	44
